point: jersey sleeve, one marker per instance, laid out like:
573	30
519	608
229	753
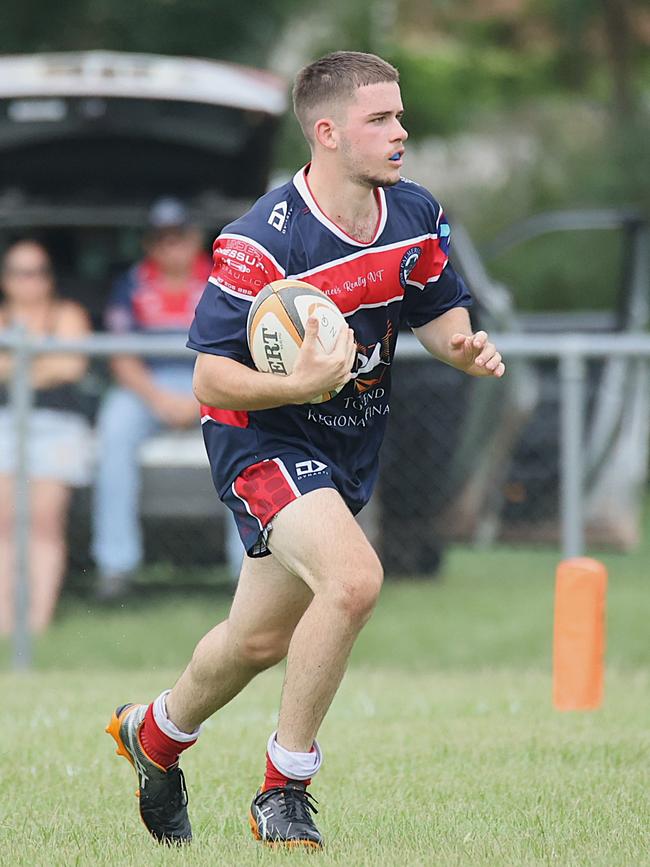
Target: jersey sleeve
433	287
241	269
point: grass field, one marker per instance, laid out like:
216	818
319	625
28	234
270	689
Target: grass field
442	747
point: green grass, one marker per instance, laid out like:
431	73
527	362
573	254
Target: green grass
442	747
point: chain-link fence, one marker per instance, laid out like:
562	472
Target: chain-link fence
556	452
481	462
464	459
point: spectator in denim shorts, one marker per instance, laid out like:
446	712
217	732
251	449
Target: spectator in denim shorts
59	439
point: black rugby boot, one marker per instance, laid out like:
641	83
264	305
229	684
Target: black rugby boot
281	816
162	793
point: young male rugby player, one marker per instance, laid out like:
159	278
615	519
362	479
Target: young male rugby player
293	473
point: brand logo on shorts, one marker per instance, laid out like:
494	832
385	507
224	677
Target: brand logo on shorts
309	468
278	216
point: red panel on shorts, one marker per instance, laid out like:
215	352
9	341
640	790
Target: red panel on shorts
233	417
265	489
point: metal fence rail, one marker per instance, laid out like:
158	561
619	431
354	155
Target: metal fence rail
571	351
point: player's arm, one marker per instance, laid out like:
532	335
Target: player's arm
449	337
228	384
436	306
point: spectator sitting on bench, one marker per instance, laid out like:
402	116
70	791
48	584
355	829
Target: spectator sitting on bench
156	296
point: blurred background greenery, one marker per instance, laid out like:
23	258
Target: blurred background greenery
513	106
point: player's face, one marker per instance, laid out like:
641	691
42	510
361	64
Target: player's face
372	136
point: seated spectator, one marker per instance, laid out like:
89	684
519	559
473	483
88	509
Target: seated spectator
156	296
59	444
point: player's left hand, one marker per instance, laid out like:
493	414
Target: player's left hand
474	354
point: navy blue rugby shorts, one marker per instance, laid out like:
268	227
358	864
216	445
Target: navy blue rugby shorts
261	490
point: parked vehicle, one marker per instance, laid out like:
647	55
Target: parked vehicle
87	142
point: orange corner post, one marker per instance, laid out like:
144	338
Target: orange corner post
579	634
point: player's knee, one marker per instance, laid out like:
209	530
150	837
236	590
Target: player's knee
357	595
263	650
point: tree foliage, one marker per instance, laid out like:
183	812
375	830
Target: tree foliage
185	27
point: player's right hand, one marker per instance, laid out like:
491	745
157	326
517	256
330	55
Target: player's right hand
317	371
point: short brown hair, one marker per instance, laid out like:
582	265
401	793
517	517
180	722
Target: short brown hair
334	78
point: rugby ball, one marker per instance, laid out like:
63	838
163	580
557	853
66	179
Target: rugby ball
276	326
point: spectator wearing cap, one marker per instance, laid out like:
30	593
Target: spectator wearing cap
156	296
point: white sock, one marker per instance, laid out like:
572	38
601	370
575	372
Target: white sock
166	725
295	766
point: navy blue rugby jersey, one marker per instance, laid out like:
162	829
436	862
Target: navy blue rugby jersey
401	276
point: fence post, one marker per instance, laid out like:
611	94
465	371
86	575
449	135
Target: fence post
21	402
572	394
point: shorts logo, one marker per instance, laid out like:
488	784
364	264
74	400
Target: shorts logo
309	468
408	263
278	216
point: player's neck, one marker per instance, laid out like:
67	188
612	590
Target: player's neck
349	204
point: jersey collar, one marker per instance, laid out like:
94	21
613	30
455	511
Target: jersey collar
300	183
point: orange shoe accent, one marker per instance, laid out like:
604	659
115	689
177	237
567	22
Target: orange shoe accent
253	824
113	729
579	634
292	844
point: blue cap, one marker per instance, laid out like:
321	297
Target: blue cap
168	213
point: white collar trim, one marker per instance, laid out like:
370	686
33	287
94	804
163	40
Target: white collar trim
300	183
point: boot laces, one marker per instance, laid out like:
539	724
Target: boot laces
297	803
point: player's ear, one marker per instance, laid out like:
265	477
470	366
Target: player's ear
325	133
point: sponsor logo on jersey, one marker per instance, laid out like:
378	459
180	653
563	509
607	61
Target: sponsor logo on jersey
408	263
309	468
237	266
242	256
278	216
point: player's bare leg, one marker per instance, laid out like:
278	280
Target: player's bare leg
268	604
317	538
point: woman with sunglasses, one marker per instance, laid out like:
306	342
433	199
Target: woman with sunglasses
59	436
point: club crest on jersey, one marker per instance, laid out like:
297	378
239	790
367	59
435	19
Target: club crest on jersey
372	362
278	216
408	263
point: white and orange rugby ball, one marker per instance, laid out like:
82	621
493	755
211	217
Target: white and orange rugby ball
276	326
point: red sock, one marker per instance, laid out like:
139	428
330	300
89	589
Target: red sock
274	777
160	748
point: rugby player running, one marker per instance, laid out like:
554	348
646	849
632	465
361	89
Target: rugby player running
294	473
